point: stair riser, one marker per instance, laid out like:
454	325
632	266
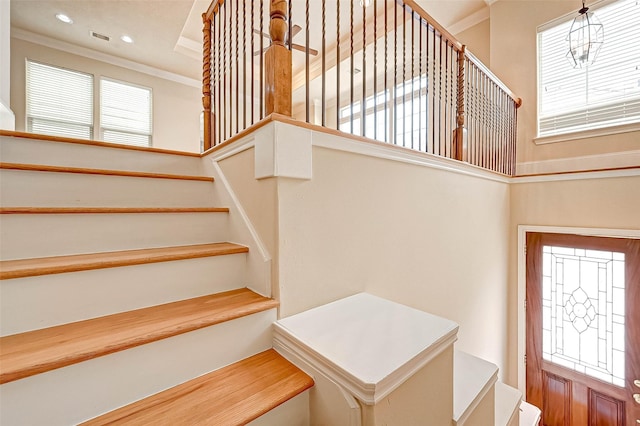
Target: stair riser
22	150
44	301
35	189
82	391
294	412
43	235
482	414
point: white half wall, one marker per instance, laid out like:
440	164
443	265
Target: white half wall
422	231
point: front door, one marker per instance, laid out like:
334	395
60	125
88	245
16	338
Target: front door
583	329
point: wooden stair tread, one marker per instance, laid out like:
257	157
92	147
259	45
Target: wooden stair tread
233	395
59	169
83	262
25	354
106	210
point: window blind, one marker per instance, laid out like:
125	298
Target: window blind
59	101
606	93
125	113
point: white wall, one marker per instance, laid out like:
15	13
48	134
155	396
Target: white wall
176	106
7	119
429	238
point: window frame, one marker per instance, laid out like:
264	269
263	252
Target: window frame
102	128
28	119
574	134
96	129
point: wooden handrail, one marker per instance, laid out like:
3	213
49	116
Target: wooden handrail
213	8
463	110
482	67
439	28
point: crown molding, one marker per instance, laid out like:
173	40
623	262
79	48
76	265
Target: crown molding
471	20
64	46
189	47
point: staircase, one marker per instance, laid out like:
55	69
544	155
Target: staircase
122	299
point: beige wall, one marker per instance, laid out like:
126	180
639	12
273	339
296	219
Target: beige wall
611	203
478	41
440	241
176	106
514	60
431	239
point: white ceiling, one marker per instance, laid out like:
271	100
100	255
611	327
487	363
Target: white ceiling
167	33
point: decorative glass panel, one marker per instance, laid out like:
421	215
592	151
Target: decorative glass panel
583	311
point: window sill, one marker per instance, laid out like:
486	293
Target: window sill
585	134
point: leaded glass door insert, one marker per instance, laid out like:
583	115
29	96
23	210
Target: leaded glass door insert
583	311
583	329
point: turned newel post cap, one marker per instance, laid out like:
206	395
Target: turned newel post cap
278	26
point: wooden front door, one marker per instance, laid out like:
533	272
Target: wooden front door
583	329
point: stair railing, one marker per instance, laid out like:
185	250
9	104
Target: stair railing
382	69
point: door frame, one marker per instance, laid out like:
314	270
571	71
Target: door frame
522	278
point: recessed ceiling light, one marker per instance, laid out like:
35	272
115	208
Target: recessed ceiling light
64	18
126	39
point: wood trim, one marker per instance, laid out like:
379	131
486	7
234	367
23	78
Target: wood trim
233	395
213	8
21	268
48	138
571	172
482	67
34	352
246	132
533	300
61	169
105	210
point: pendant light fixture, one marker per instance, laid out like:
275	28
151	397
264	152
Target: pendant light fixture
585	38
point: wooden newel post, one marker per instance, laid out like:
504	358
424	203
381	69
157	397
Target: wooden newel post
459	140
277	63
206	82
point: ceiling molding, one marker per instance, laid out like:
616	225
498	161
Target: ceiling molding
471	20
188	47
52	43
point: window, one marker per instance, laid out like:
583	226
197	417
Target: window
604	94
59	101
410	118
125	113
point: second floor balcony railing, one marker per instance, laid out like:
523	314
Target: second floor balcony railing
382	69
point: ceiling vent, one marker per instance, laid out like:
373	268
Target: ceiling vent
98	35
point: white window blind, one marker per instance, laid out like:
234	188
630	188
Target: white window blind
606	93
59	101
125	113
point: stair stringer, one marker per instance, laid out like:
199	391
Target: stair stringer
241	230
